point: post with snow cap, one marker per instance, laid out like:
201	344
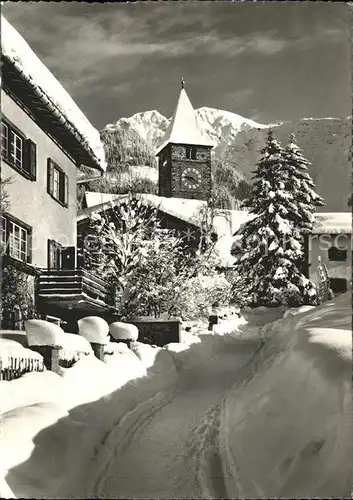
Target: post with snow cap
182	83
96	330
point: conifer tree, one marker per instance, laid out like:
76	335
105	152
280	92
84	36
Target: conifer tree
270	245
301	186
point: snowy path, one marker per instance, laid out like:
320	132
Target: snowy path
171	449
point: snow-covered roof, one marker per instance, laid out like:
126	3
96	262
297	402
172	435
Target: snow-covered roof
333	223
50	91
226	222
183	128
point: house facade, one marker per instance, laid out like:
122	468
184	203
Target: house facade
331	242
45	138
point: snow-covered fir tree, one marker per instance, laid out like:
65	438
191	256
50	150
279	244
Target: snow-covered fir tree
300	185
270	246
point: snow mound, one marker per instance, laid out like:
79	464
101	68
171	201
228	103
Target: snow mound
44	333
16	49
116	348
286	425
20	426
293	311
94	329
146	353
32	388
74	347
123	331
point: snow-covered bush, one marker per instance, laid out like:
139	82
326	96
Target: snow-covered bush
198	295
17	293
94	329
16	360
75	347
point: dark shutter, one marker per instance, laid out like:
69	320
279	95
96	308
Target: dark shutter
62	187
50	174
66	190
29	247
50	254
58	250
31	159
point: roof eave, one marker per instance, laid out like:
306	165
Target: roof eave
47	114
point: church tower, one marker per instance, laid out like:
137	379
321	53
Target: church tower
184	157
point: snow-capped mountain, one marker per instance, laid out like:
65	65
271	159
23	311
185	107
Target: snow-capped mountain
223	126
149	125
325	141
219	125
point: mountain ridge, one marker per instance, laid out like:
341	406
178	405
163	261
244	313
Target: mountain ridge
326	143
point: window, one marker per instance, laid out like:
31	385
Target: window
54	255
16	149
190	153
338	285
58	183
19	152
15	237
337	254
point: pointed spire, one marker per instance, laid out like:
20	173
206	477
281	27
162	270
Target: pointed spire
183	128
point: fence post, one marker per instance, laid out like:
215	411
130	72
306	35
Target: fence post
98	350
50	356
213	320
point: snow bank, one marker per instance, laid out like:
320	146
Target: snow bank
297	310
97	395
286	425
20	426
32	388
95	403
16	49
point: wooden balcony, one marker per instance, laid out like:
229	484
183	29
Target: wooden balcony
73	289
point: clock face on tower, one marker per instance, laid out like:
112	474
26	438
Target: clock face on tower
191	178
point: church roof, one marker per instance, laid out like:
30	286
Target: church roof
183	128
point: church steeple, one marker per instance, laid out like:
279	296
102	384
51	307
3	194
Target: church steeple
185	155
183	128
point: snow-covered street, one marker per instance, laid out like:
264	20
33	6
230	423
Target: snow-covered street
217	416
171	451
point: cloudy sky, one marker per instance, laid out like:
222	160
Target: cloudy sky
265	61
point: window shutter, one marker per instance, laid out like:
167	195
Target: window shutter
29	247
32	158
66	190
50	174
62	187
50	254
59	255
